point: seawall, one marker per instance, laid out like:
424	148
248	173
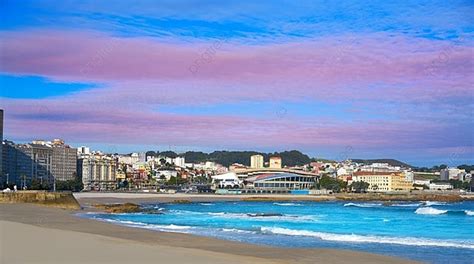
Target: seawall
63	200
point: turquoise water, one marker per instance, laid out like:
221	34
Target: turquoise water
428	231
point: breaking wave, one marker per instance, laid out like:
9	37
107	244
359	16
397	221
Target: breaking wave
287	204
366	239
430	211
288	218
406	205
364	205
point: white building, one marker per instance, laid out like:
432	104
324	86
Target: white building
440	186
179	162
275	163
256	161
98	172
83	150
167	174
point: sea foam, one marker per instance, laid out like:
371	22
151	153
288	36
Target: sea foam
430	211
411	241
469	212
287	204
364	205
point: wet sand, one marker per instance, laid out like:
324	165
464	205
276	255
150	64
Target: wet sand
38	234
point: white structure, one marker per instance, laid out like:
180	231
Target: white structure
380	167
142	157
409	175
179	162
166	173
256	161
440	186
83	150
227	181
422	182
275	163
98	172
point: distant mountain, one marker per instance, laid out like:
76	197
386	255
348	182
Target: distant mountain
392	162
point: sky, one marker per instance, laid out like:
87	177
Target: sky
334	79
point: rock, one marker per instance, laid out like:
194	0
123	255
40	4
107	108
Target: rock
119	208
264	214
181	202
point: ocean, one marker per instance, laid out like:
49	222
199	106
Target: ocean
432	232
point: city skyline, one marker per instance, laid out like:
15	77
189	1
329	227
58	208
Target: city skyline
377	80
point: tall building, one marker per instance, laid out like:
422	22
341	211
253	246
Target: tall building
83	150
444	175
98	172
179	162
39	160
275	162
256	161
1	145
27	162
64	161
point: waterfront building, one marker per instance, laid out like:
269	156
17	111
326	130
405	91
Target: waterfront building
383	181
444	175
275	163
281	182
256	161
64	161
1	145
440	186
98	172
26	162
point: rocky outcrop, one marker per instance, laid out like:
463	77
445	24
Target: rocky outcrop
119	208
63	200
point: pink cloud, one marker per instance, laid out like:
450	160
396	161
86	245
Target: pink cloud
321	68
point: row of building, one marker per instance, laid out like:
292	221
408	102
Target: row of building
49	161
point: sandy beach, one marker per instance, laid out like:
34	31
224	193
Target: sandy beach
40	234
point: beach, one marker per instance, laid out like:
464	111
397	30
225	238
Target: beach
41	234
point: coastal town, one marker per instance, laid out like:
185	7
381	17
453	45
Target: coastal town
236	132
55	165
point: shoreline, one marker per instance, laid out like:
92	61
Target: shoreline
27	222
89	198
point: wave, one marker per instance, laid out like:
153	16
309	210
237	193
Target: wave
431	203
430	211
207	204
469	212
234	230
168	228
364	205
258	217
287	204
367	239
406	205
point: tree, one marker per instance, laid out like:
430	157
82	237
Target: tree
173	181
359	186
39	185
75	185
330	183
